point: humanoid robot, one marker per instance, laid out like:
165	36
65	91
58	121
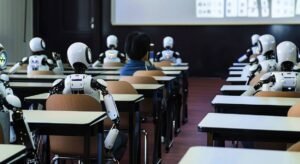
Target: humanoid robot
79	56
112	54
168	54
38	61
19	131
252	50
287	79
266	61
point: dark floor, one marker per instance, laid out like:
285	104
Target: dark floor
201	93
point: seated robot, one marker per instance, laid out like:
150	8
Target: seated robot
286	79
19	131
252	50
265	62
38	61
79	56
168	54
112	54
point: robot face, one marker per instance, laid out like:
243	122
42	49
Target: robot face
112	41
287	54
3	59
37	44
266	43
168	42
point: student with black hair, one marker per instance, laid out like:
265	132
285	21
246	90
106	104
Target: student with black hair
137	47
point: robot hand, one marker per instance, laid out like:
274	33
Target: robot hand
245	56
17	66
56	56
111	138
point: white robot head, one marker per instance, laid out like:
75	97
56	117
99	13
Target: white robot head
287	53
266	43
37	44
1	47
168	42
79	54
254	39
112	41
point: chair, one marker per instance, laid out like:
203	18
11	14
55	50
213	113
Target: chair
139	80
33	73
112	64
162	64
71	146
149	73
277	94
295	147
123	87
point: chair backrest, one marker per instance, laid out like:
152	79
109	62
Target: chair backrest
295	147
149	73
139	80
162	64
294	110
277	94
33	73
120	87
69	145
112	64
256	79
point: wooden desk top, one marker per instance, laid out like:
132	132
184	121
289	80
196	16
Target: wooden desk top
250	122
63	117
240	64
241	88
117	97
172	68
158	78
9	151
178	65
237	79
214	155
253	100
147	86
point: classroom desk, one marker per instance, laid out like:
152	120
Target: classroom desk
69	123
179	65
11	153
234	89
240	127
172	68
235	73
239	64
97	68
214	155
125	103
237	80
253	105
240	68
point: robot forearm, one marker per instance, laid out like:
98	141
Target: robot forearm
111	109
17	66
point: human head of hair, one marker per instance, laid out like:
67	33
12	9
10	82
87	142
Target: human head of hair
137	45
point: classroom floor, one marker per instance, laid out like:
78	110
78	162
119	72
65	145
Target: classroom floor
201	93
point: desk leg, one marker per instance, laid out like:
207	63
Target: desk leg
210	139
157	133
87	145
131	137
100	141
169	129
185	84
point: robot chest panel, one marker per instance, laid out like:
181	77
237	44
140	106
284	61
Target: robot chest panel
167	54
111	54
78	83
35	62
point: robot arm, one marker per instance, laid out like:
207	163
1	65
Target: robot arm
265	82
99	61
157	57
111	110
248	53
122	57
57	87
177	57
18	65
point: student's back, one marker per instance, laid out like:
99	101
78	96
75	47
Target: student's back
137	47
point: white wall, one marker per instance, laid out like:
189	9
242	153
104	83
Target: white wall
12	13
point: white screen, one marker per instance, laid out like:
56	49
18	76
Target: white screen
204	12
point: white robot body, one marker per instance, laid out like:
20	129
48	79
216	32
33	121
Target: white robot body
266	43
35	63
268	65
168	55
111	138
111	56
80	83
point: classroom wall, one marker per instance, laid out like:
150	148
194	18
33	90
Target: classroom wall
210	50
12	19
